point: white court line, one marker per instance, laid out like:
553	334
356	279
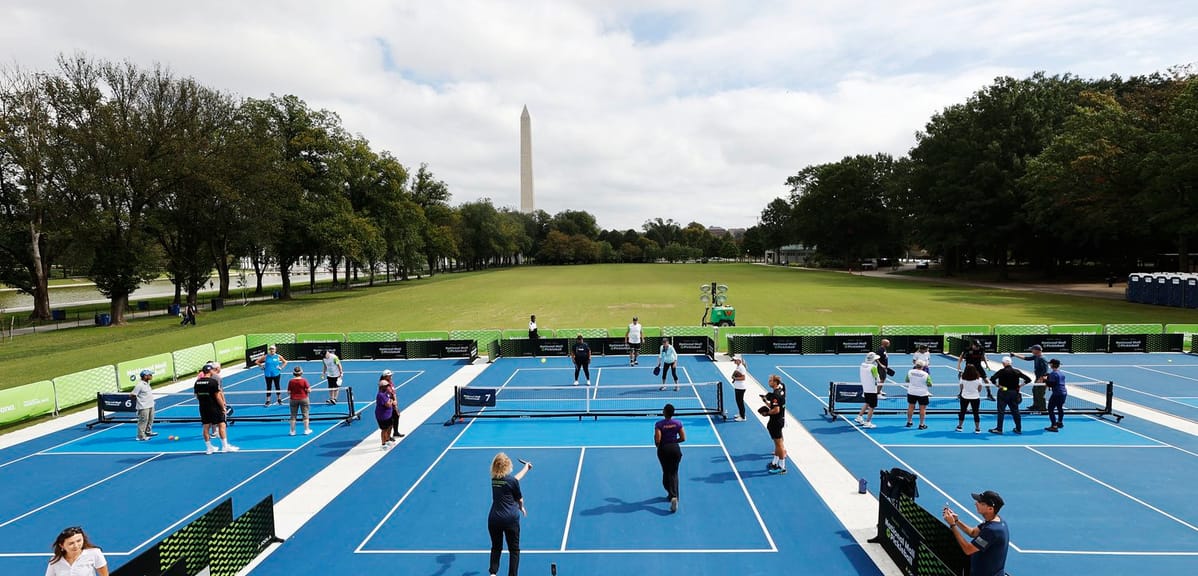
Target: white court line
81	490
1116	490
245	450
985	447
1107	553
573	498
564	447
582	551
1142	367
735	472
1148	413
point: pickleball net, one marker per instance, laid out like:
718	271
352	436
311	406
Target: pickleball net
246	406
689	399
1094	398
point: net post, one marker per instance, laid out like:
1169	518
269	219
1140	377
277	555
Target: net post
349	396
831	409
719	394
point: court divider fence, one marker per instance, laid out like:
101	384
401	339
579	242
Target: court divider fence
215	541
32	401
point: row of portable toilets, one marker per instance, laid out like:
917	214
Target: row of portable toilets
1163	289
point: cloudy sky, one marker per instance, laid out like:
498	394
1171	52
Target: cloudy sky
695	110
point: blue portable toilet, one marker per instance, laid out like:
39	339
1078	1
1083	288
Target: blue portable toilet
1176	290
1161	294
1135	288
1191	292
1147	289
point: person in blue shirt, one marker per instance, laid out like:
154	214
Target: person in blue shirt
581	353
1055	381
667	435
272	365
988	543
668	362
507	505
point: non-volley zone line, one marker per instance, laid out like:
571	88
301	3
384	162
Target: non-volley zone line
968	510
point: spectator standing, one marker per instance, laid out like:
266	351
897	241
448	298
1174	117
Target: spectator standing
884	369
76	555
298	389
970	395
740	374
633	339
390	383
581	353
143	394
871	384
507	506
384	412
272	365
1039	376
775	409
330	370
213	409
1009	379
533	337
919	384
974	354
923	354
668	433
1056	403
988	542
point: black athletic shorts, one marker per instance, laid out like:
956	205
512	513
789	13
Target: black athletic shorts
775	427
211	415
871	399
921	400
334	381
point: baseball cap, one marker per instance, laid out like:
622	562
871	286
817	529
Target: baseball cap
1036	347
145	373
209	367
871	357
1054	362
297	370
990	498
387	372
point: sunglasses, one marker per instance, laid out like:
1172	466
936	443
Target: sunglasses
73	530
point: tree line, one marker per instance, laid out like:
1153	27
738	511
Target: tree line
1044	171
129	172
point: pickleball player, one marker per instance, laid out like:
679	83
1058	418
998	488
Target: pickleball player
211	400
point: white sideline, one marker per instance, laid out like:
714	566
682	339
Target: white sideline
831	480
309	498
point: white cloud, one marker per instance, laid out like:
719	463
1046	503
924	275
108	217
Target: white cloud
691	110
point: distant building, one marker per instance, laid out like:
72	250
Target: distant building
719	232
796	254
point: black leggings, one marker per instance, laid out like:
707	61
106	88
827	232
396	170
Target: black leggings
585	367
740	401
1056	409
969	404
669	367
670	455
273	380
511	531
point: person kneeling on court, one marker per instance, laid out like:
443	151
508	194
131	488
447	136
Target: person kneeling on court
667	435
987	550
213	409
298	390
507	505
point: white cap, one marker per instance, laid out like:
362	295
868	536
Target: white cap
871	357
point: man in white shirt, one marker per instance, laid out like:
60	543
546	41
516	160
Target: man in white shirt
633	339
331	372
870	383
921	354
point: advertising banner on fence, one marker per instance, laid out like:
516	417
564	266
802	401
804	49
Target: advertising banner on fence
380	350
1127	343
26	401
162	365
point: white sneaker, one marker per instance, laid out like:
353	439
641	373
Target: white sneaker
576	382
869	425
385	447
859	420
210	449
738	419
291	433
229	448
307	431
588	382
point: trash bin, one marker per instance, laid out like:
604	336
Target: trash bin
173	309
143	305
277	294
58	315
217	304
103	319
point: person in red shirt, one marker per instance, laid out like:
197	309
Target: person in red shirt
298	388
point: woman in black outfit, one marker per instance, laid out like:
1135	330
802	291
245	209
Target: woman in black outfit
507	505
667	435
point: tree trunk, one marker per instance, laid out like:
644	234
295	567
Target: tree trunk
285	274
41	276
259	270
347	265
116	308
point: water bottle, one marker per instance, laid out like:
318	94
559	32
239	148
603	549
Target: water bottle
553	568
861	485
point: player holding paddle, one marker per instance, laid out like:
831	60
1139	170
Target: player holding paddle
507	505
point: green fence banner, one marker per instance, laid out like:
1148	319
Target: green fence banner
230	349
959	329
81	387
853	330
427	335
708	331
800	331
572	333
1181	328
1075	329
28	401
372	337
162	365
1020	329
727	332
622	331
909	330
1135	329
319	337
188	361
254	340
483	337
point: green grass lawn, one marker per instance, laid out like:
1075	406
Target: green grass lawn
575	296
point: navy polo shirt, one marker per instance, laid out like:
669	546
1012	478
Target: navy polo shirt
505	498
991	542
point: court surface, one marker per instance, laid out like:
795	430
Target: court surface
594	497
1097	498
1166	382
129	494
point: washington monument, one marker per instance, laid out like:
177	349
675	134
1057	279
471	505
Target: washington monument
526	204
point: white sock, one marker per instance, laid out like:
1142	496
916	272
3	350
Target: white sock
782	463
775	461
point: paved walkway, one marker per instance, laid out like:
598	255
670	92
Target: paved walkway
1094	289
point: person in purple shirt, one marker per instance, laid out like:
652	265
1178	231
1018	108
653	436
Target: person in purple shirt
507	505
667	435
384	412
